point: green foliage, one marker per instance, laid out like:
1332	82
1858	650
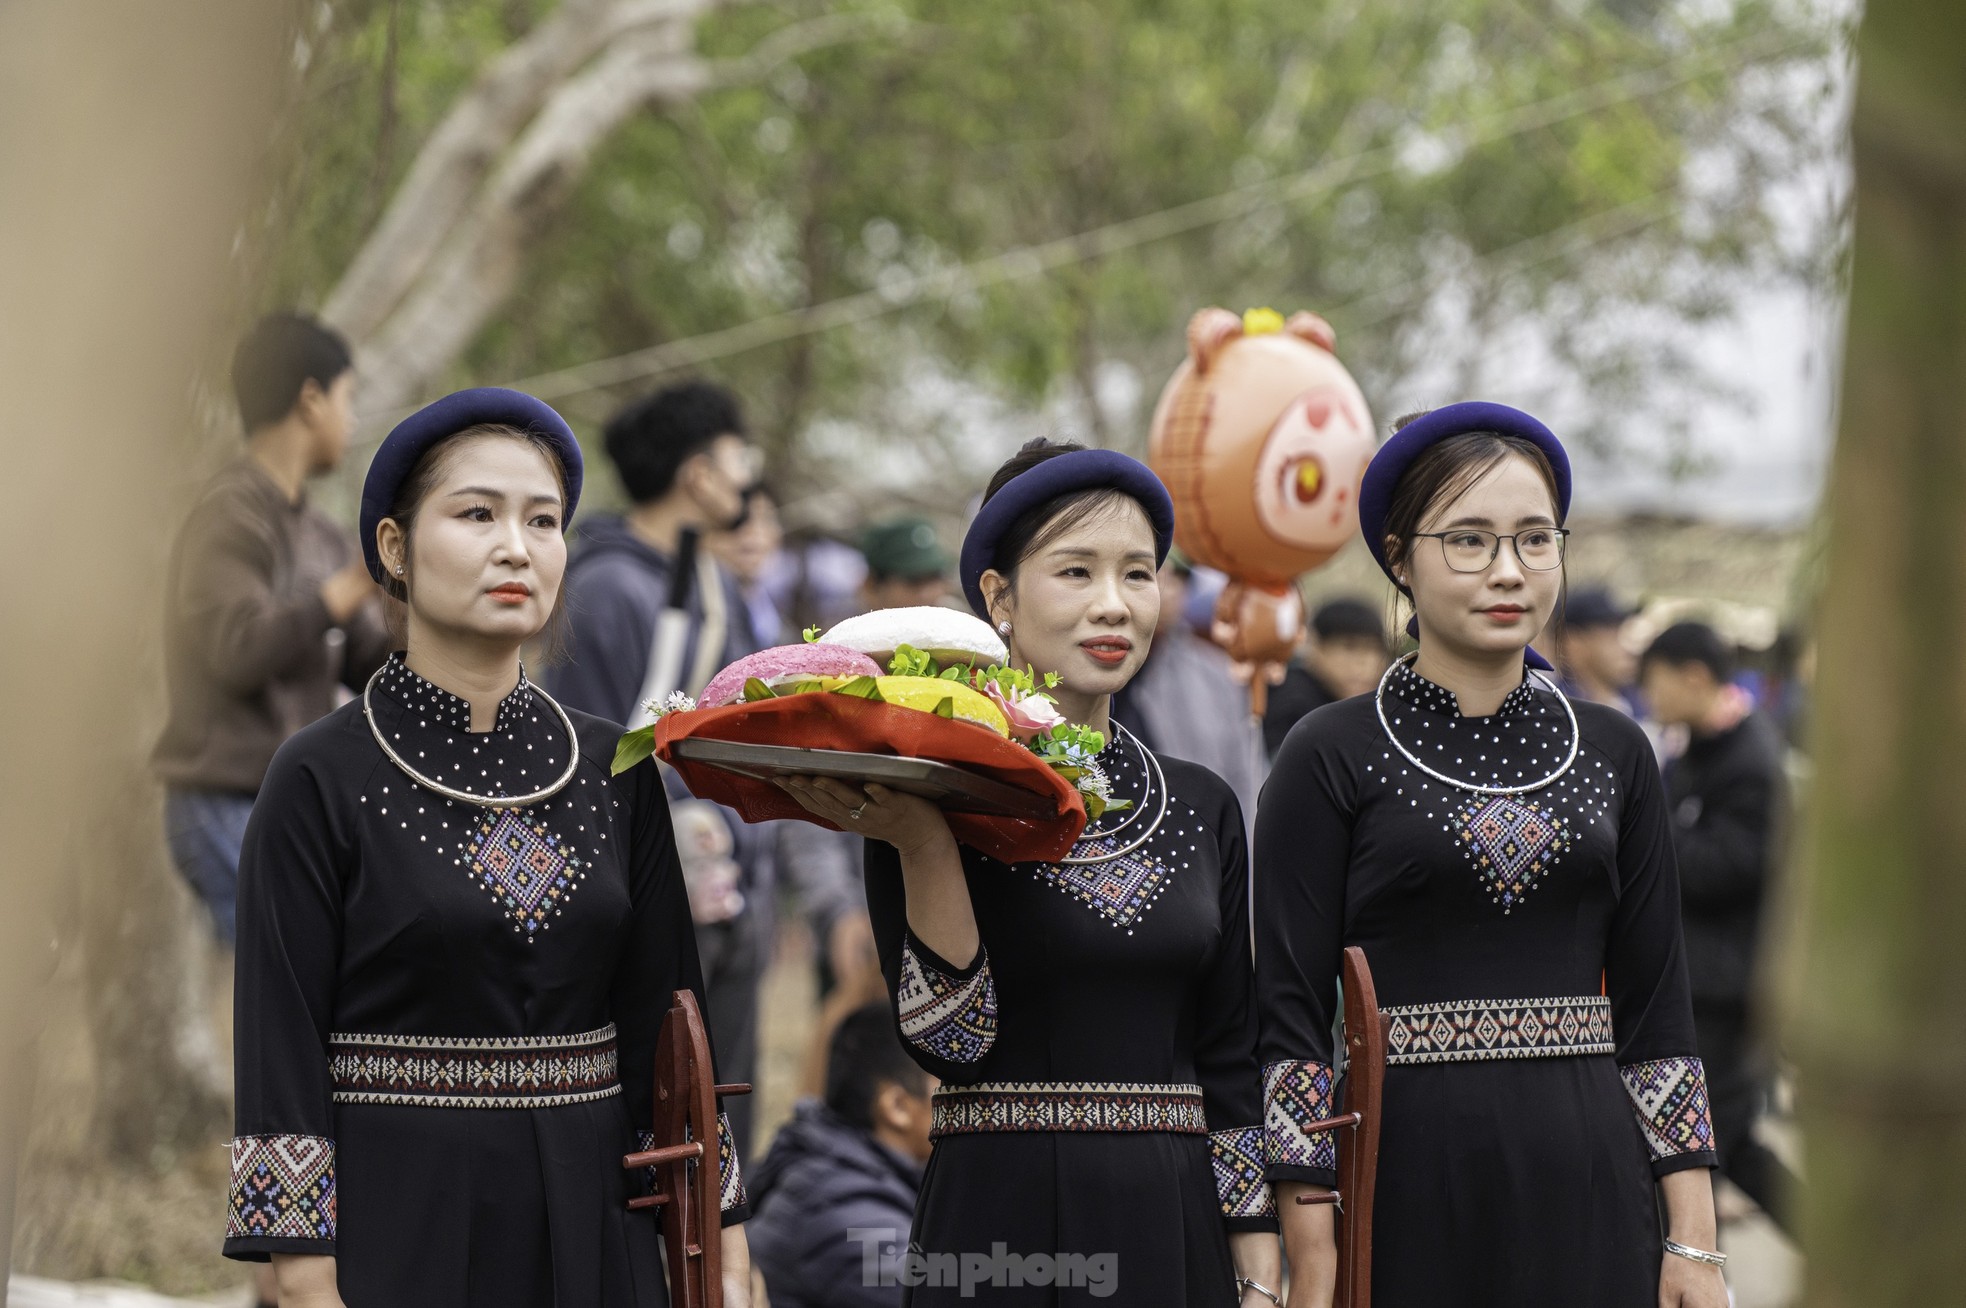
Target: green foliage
955	130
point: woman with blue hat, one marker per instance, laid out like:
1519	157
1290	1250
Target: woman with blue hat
1092	1020
1502	855
458	934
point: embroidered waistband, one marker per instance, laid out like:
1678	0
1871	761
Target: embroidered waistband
491	1072
1067	1106
1473	1030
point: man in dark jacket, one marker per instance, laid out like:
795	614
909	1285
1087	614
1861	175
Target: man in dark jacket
1344	654
832	1202
1727	795
685	461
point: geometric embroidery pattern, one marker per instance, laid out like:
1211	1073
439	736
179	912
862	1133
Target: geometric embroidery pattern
1296	1094
524	866
1512	843
952	1018
1119	890
1670	1097
282	1187
732	1192
1238	1160
730	1189
493	1072
1067	1106
1477	1029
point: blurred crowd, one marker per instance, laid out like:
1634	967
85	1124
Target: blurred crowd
273	620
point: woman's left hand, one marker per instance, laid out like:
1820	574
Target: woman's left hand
1684	1283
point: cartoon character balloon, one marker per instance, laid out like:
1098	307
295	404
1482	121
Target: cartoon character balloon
1262	438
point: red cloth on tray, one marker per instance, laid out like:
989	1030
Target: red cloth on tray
820	720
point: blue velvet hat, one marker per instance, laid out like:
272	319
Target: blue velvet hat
413	436
1382	475
1077	471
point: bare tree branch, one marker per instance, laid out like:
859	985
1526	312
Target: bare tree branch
461	153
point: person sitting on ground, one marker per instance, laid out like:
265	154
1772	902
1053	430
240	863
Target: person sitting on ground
1344	654
1726	794
842	1176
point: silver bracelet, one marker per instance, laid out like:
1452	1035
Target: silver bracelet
1706	1256
1249	1283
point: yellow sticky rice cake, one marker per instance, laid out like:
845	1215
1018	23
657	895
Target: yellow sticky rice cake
925	693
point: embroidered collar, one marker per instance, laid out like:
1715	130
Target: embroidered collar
430	705
1430	697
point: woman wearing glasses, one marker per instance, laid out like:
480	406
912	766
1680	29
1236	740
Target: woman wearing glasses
1502	855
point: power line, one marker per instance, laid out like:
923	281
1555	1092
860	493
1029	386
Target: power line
1030	261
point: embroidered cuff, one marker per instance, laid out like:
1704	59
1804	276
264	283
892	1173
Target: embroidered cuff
1238	1159
282	1188
730	1191
731	1195
1294	1095
946	1016
1670	1097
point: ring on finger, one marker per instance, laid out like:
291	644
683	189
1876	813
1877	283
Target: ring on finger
855	814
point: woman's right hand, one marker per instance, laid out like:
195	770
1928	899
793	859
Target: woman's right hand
307	1281
1310	1246
909	823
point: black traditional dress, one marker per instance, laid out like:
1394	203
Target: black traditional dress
1098	1130
1542	1068
447	1013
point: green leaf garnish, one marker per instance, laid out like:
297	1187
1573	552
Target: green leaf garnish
755	690
632	748
862	688
945	708
911	662
811	634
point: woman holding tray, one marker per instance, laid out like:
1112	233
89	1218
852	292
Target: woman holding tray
1098	1130
458	935
1502	855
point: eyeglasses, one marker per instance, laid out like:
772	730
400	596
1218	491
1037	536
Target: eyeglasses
1468	549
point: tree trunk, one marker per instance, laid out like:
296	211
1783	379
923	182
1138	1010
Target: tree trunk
1881	1030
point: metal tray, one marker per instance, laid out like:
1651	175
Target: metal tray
956	789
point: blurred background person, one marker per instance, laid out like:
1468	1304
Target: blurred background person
1343	654
844	1172
271	612
1187	703
1728	797
906	565
1591	654
748	553
271	620
687	463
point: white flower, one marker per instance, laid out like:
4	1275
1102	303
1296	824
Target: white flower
676	703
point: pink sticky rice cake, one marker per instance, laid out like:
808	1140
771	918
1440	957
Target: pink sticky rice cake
786	663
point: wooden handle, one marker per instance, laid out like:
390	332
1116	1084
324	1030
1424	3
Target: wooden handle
1333	1123
666	1154
735	1088
647	1201
1327	1197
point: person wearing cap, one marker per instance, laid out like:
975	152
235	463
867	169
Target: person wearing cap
1344	655
271	609
1503	856
1090	1020
1591	652
458	932
906	565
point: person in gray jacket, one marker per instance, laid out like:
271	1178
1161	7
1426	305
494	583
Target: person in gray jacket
832	1202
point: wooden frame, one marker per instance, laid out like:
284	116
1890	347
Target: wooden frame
1358	1156
688	1171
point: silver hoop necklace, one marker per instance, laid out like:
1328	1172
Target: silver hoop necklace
1147	791
1576	735
465	796
1158	776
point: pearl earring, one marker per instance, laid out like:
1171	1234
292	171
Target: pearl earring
1003	628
